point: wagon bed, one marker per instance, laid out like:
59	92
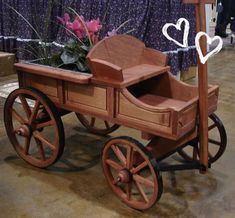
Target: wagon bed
144	96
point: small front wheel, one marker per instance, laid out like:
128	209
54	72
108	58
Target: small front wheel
217	142
137	183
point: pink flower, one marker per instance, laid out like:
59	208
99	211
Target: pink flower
94	38
77	27
80	34
112	33
65	19
93	25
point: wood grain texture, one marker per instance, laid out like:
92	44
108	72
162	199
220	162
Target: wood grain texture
122	50
131	76
52	72
86	95
162	147
48	86
153	56
203	80
106	70
123	60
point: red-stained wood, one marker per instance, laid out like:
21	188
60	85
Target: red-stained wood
106	70
161	147
166	107
152	56
52	72
202	80
147	97
121	174
132	75
123	60
32	126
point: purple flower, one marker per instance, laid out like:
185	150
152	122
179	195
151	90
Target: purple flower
112	33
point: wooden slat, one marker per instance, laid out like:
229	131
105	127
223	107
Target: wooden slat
133	75
161	147
56	73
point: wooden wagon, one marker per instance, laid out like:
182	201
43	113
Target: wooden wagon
130	85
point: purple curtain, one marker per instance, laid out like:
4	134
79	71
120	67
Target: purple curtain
147	19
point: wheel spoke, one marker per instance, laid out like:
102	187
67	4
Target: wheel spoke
25	106
141	191
43	139
114	165
40	149
27	145
107	124
28	112
214	142
195	153
35	111
212	127
144	181
210	155
92	122
119	154
45	124
139	167
129	158
128	190
19	118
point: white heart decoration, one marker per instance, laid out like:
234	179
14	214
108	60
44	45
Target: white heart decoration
178	27
209	40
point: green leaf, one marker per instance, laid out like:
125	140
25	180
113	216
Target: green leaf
85	48
81	66
68	57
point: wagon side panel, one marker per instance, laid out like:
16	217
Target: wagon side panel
47	85
150	121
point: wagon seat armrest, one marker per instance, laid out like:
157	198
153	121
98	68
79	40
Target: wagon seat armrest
104	70
153	56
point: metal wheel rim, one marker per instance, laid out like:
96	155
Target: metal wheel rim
151	165
217	123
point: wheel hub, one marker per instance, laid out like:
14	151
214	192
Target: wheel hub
124	176
24	130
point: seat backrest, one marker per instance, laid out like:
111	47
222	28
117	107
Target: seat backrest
122	50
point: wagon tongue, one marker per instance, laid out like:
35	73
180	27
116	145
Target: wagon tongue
202	80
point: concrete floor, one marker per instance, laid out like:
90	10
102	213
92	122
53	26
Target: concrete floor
75	186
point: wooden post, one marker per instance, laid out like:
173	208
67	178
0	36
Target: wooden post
202	80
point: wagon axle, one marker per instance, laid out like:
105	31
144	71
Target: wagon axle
124	176
24	130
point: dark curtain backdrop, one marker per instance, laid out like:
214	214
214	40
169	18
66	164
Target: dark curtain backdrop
147	18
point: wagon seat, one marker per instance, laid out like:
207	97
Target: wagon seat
125	59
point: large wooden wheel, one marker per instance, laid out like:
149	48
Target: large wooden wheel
132	172
34	127
95	125
216	143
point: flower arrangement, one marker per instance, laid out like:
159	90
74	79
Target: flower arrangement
83	34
